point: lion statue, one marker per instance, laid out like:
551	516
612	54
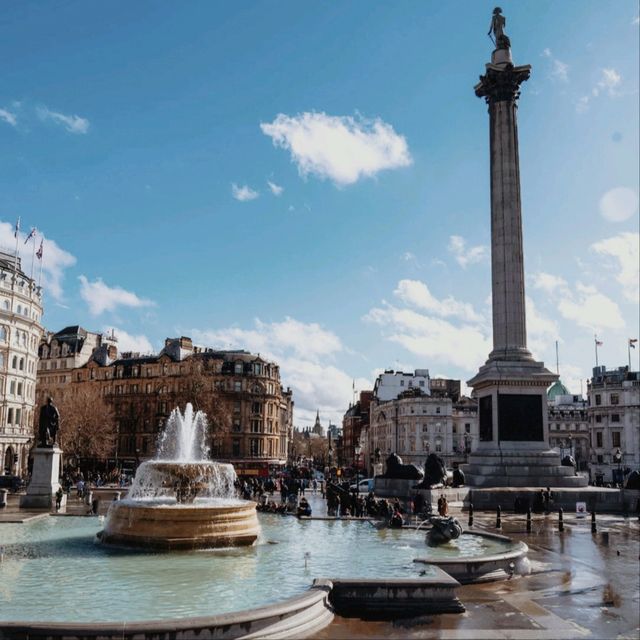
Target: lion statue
397	470
435	472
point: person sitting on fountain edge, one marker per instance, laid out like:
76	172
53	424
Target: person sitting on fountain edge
304	508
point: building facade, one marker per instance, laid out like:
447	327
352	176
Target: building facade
421	419
614	418
249	412
20	335
569	430
355	420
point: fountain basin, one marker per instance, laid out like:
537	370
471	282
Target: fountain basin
480	568
167	525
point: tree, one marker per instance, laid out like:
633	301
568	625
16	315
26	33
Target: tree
198	387
87	422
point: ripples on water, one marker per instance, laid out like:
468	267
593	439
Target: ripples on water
54	569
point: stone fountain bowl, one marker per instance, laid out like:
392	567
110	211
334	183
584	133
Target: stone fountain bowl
173	505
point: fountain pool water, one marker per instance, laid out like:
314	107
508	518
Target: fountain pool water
182	499
54	571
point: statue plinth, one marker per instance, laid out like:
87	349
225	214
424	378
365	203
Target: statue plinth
44	479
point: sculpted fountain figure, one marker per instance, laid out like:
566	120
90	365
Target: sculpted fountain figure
182	499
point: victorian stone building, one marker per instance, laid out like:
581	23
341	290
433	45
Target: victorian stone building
419	419
569	430
249	412
614	418
20	334
355	420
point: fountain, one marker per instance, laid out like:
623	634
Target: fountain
182	499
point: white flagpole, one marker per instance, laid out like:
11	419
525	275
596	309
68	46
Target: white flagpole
15	257
33	255
41	258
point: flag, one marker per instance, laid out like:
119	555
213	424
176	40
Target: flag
39	251
32	234
15	233
598	343
632	342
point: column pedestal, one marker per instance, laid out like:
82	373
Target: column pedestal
44	479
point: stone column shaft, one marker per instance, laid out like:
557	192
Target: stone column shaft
507	259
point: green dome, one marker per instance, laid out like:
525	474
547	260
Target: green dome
557	389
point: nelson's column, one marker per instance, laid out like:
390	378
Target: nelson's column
511	386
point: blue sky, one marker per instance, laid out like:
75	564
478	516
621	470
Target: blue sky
141	138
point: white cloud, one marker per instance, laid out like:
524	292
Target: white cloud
609	80
466	255
130	342
275	188
590	309
243	193
101	297
304	352
54	259
548	282
619	204
8	117
72	123
541	330
341	148
560	70
582	105
308	340
465	346
416	293
624	249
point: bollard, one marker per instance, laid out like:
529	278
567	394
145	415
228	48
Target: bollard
471	514
529	520
560	520
498	518
593	522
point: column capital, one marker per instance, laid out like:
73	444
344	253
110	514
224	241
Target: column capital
502	82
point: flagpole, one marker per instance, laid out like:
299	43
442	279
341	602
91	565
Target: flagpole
33	255
629	351
557	360
595	341
15	256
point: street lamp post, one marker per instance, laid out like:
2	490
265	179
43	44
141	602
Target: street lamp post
617	457
357	450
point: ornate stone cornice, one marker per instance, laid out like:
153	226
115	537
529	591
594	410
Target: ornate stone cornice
502	82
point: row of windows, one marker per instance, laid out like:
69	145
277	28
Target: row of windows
615	439
413	410
19	337
614	398
17	363
21	310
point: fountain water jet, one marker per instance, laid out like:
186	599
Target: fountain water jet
182	499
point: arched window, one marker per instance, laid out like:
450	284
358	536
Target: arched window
1	360
19	309
14	362
21	364
3	334
6	305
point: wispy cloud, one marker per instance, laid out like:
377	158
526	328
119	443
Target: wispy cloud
72	123
559	70
343	149
8	117
276	189
624	252
608	83
243	193
464	255
101	297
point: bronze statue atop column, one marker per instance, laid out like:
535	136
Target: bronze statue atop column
48	425
498	22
